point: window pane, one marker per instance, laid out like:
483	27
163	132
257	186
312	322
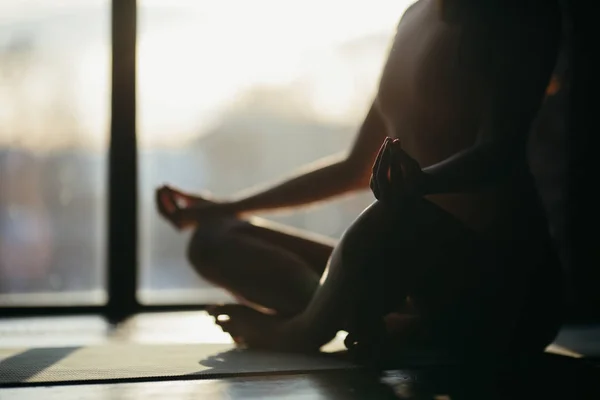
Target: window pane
53	134
240	93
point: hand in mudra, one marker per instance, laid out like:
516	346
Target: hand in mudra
395	173
184	210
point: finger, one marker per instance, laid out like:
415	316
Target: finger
381	176
185	199
167	202
189	198
373	181
172	193
164	204
180	200
373	187
411	169
159	202
407	160
172	189
397	178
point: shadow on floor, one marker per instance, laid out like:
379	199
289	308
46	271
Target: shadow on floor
24	365
546	377
240	362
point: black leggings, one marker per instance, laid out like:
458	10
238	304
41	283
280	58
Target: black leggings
472	294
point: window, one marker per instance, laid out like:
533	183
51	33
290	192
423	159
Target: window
54	98
238	93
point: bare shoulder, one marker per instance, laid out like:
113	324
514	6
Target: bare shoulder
410	12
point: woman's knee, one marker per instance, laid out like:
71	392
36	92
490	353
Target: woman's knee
208	241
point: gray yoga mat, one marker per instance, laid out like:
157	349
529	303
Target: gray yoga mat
135	362
169	346
116	362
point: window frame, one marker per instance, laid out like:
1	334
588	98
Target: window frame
122	259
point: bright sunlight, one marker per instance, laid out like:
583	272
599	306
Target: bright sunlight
195	59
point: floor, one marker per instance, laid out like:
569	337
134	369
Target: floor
553	377
562	383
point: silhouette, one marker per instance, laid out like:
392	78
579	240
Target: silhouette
455	253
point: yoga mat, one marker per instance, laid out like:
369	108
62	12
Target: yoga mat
122	362
165	346
136	362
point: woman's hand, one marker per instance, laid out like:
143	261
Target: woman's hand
253	329
395	173
184	210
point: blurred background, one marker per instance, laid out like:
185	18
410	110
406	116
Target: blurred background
231	94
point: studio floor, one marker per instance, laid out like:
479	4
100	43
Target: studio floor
184	355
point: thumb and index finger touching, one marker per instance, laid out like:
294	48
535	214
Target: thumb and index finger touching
172	204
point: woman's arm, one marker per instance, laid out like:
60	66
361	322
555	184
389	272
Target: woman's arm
348	278
324	179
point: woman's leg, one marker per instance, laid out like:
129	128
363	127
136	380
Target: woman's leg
424	258
472	295
484	297
268	266
313	248
542	313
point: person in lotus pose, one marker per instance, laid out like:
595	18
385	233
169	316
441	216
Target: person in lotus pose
454	254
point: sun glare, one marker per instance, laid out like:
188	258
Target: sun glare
192	66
